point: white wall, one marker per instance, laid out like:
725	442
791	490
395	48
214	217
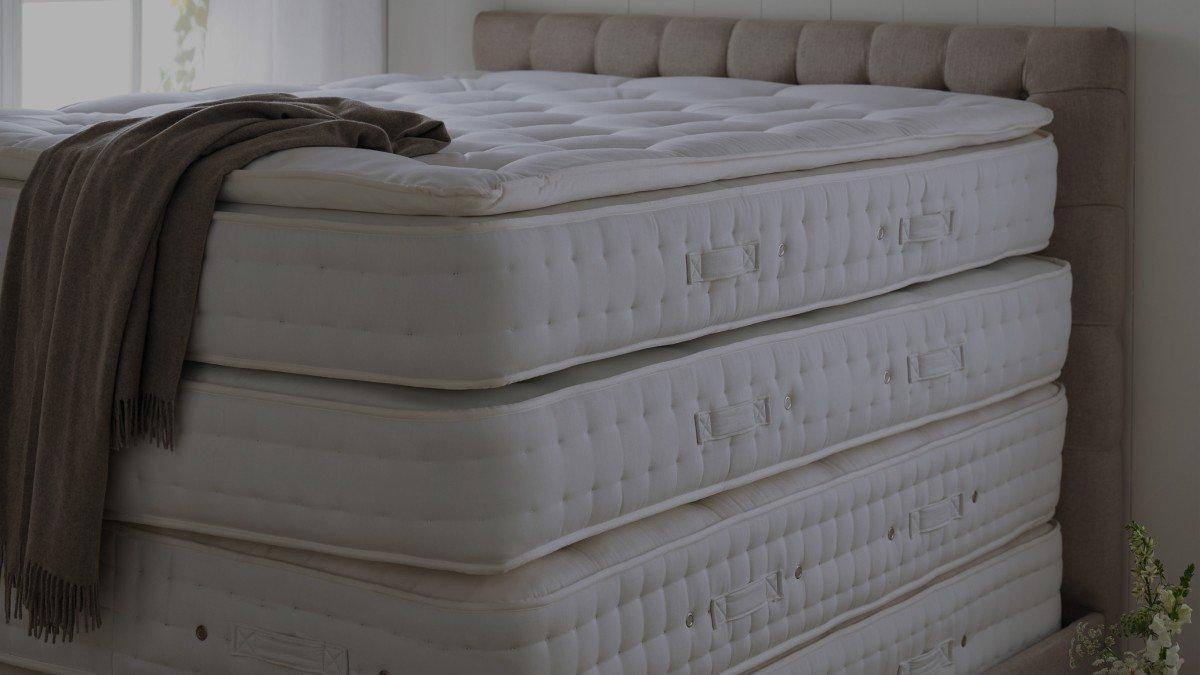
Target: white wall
431	36
1166	300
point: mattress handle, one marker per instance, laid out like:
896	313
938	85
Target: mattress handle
746	600
936	363
290	651
733	420
936	660
926	227
935	516
722	263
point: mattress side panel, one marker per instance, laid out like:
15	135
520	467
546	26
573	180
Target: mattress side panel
535	295
508	303
762	582
973	621
486	493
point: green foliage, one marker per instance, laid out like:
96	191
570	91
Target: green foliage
192	22
1159	616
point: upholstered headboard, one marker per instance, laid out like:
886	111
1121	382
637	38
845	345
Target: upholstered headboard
1078	73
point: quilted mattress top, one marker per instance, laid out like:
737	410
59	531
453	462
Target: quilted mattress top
528	139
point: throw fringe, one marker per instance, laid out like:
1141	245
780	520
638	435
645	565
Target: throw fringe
57	609
146	416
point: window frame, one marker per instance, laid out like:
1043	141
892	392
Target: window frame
11	29
10	53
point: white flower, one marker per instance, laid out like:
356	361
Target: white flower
1185	613
1167	598
1120	668
1133	665
1154	645
1160	625
1173	662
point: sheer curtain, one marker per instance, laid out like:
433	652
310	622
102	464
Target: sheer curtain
291	41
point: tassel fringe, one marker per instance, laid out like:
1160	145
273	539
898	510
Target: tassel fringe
145	416
56	609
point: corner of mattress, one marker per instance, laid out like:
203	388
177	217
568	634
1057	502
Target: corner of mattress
1063	265
377	196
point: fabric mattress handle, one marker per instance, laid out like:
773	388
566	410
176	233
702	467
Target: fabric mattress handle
734	420
936	363
935	516
742	602
936	660
722	263
290	651
926	227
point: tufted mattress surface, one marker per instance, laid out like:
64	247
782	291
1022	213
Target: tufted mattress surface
479	302
527	139
728	582
964	623
484	481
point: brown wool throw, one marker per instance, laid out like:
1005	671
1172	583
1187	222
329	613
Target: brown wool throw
96	308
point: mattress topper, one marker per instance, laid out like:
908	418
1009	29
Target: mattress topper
529	139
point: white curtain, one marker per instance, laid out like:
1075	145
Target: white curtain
291	41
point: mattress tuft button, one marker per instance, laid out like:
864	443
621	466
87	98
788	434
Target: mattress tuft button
891	533
799	571
963	641
975	496
881	233
690	620
787	402
201	632
887	377
782	250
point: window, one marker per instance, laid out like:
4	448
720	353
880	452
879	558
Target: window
71	50
56	52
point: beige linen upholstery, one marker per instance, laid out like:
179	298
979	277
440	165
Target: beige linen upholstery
1079	73
1049	656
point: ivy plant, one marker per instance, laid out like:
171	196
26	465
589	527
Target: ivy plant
192	22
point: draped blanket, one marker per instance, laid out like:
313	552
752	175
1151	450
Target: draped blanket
98	295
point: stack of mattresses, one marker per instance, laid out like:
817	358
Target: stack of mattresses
651	375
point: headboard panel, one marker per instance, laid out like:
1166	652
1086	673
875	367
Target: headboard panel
1079	73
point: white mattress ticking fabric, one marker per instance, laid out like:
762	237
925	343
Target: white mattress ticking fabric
478	302
484	481
965	623
728	582
527	139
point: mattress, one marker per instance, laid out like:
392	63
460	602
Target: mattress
484	481
731	581
965	623
527	139
479	302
